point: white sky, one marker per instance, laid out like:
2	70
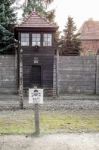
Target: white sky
80	10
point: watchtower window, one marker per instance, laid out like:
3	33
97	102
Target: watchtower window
36	38
47	39
24	39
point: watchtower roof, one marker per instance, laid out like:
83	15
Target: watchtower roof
34	20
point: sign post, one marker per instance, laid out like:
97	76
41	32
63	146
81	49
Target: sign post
36	118
36	98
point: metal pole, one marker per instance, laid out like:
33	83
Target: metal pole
36	115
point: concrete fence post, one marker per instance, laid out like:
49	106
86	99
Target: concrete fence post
57	72
54	78
97	74
21	79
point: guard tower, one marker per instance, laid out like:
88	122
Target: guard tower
36	38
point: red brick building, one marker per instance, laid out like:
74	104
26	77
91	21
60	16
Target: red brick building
89	35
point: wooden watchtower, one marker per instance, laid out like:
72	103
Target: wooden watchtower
36	38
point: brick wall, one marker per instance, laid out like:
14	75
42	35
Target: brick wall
77	74
8	74
89	46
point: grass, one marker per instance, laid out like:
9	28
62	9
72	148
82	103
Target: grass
70	122
22	122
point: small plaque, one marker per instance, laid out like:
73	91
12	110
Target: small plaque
36	96
36	60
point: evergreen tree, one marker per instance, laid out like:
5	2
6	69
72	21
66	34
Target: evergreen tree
7	40
7	21
31	5
71	41
40	6
45	1
7	15
48	1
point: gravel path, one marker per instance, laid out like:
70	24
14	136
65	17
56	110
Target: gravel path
68	102
51	142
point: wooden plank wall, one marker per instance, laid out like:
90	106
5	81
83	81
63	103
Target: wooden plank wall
45	60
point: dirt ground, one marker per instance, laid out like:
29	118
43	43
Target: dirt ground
50	142
67	141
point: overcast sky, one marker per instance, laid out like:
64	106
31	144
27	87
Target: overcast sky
80	10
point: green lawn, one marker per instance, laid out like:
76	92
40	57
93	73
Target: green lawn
19	122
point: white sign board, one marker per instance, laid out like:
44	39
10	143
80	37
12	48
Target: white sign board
36	96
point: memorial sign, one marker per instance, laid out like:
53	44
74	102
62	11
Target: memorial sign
36	96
